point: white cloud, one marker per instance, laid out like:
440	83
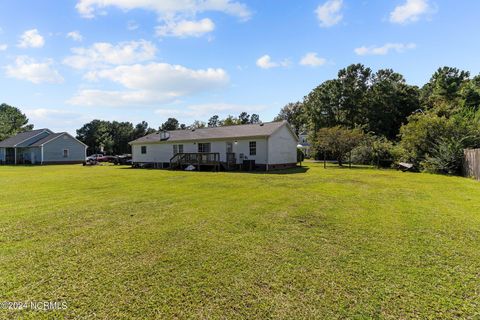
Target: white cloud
265	62
385	49
185	28
329	13
75	36
29	69
31	39
166	9
58	120
150	83
103	54
3	47
411	11
311	59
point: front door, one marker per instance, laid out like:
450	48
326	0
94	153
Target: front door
230	155
229	147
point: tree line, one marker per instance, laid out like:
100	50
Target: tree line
365	115
214	121
377	115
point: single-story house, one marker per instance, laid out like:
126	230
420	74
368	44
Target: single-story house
42	147
264	146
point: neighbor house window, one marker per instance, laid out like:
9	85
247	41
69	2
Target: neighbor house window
180	148
65	153
204	147
144	149
253	148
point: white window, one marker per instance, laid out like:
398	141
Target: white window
177	148
204	147
253	148
65	153
144	149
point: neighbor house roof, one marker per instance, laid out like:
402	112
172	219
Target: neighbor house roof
46	139
24	136
227	132
19	138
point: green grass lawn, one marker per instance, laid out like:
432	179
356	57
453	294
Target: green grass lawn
319	243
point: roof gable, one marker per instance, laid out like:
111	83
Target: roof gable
53	137
22	137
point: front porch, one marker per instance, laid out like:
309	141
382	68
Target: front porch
21	156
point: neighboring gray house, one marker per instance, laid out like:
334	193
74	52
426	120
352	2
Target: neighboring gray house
42	147
265	146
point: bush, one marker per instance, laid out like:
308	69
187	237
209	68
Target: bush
374	151
338	141
300	155
435	144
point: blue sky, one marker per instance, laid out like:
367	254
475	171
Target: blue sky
67	62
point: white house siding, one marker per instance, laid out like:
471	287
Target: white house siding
162	152
53	150
282	147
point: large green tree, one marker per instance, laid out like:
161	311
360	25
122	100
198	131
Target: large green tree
294	114
170	125
141	130
112	137
389	102
378	102
342	101
12	121
97	135
122	134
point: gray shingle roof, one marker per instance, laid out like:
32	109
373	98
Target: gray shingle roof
46	139
12	141
227	132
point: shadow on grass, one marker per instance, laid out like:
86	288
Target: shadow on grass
296	170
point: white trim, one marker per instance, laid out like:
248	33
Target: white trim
41	148
268	160
45	130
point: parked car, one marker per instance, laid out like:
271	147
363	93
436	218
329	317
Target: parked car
97	157
125	159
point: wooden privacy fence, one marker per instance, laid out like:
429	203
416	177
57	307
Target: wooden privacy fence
471	165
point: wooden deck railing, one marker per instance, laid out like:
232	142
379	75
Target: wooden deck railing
195	159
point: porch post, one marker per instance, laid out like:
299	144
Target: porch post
15	152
